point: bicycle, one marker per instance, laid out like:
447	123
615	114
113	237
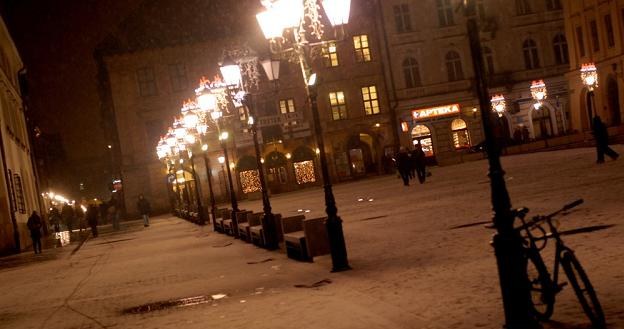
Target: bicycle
544	288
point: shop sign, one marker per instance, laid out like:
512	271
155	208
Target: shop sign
433	112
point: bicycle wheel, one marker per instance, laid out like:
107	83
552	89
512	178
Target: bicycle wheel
542	292
583	289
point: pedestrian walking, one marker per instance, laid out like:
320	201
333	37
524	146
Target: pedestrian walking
55	219
67	214
418	158
92	219
602	141
403	164
113	211
34	225
144	209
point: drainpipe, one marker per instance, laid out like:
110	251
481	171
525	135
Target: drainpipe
7	178
394	103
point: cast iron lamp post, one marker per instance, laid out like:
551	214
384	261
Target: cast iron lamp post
210	98
284	20
589	76
164	154
191	123
508	247
233	78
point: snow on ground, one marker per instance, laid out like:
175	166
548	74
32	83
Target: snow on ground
410	269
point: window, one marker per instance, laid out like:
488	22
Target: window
371	102
362	50
593	28
488	59
522	7
13	205
580	41
147	81
422	135
288	106
19	194
402	18
177	75
553	4
453	66
330	54
531	57
445	13
461	137
338	105
609	28
560	46
411	73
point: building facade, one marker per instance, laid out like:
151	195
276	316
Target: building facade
432	73
596	31
149	85
18	188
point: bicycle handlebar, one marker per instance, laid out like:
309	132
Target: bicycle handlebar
538	218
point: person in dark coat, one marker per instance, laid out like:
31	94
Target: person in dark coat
418	158
602	141
34	225
144	209
113	211
67	212
92	219
404	165
55	219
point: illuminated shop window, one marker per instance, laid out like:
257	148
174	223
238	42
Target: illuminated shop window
421	134
250	181
304	172
461	137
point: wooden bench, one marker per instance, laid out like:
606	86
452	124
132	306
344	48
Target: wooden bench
230	227
223	214
280	227
305	239
257	232
243	228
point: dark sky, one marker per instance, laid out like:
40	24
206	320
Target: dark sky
56	39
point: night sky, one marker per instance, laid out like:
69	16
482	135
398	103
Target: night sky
56	39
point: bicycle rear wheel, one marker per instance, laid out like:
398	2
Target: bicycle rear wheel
542	291
583	288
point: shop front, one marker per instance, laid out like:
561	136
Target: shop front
445	133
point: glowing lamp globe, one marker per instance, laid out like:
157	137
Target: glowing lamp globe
337	11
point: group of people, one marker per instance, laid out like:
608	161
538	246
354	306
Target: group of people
411	164
69	216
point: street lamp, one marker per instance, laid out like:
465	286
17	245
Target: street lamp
508	245
233	78
589	76
191	122
498	104
286	20
538	92
211	97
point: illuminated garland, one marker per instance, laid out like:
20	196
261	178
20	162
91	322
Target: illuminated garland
304	172
250	181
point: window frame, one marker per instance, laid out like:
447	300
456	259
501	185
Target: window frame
580	40
595	37
445	13
338	109
402	18
411	68
372	103
289	107
330	58
146	81
454	68
178	77
609	30
530	50
560	47
362	53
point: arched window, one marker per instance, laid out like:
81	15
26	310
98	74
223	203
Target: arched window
454	66
422	135
411	72
531	57
560	45
461	137
488	59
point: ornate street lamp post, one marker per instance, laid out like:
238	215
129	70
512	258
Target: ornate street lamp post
232	75
508	247
589	76
539	92
286	19
191	123
211	97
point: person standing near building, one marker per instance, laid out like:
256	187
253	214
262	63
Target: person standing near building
144	209
92	216
113	211
602	141
34	225
67	213
403	164
418	157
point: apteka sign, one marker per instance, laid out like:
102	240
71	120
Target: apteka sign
437	111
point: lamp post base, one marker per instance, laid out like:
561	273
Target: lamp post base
340	262
269	229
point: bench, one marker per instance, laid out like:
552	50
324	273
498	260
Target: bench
230	226
291	220
223	214
257	232
308	241
243	228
